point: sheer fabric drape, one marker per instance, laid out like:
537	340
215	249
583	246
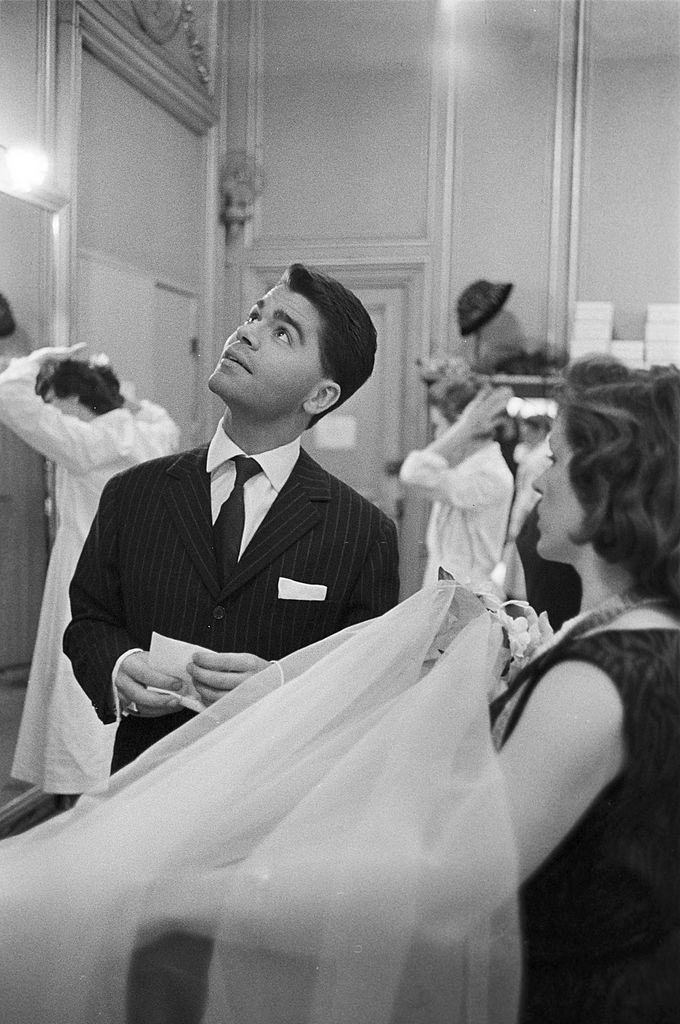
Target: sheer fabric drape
335	849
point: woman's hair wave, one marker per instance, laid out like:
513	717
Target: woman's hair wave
623	428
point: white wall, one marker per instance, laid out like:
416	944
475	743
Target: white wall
345	108
630	221
141	224
336	101
505	67
141	179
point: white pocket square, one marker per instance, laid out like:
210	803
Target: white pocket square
293	590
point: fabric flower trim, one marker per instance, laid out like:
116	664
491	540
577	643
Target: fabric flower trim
524	635
520	636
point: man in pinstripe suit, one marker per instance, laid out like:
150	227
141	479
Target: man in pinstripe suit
314	557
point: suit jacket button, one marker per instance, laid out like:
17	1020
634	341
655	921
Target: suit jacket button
218	613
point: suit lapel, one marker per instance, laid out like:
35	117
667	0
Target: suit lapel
293	514
188	498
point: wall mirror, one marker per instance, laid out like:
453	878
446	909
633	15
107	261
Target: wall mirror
79	78
31	271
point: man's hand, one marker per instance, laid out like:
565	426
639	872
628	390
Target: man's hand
214	674
133	678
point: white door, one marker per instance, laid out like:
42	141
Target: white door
149	331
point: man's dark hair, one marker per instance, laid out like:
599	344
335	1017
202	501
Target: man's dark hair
348	336
95	387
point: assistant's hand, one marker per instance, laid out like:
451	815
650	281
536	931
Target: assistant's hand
482	415
214	673
476	423
134	676
56	353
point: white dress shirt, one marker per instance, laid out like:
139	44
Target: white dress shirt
471	506
260	492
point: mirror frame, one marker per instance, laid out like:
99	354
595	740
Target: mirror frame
32	806
64	29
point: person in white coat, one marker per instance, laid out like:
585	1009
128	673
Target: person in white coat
468	481
73	413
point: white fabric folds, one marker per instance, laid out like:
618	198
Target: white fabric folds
336	850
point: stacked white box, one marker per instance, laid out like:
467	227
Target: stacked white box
662	333
629	351
663	312
592	328
663	353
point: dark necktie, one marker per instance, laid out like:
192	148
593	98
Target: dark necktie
228	528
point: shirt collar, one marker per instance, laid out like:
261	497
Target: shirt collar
277	464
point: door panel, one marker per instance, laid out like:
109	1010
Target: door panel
149	331
360	441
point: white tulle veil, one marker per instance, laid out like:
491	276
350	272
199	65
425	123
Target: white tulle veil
330	844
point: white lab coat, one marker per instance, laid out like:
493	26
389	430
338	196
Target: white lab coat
62	746
469	518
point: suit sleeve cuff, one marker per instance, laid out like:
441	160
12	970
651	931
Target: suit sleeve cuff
114	675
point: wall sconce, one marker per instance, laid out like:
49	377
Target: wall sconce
27	167
241	182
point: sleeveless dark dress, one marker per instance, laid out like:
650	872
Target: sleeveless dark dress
601	917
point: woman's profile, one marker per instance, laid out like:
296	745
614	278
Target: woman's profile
589	733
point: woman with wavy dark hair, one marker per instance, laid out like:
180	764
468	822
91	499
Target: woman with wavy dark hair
589	732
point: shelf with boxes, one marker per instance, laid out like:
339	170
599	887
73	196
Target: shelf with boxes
592	331
662	333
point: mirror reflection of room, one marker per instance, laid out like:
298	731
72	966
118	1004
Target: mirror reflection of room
24	540
73	412
413	149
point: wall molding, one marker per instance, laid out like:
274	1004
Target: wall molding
46	77
376	271
580	86
91	26
565	174
141	63
345	252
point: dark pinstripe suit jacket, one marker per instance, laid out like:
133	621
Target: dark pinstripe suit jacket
149	564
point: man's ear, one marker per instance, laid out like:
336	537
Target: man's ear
324	396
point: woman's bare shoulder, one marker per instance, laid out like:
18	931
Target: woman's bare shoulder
644	617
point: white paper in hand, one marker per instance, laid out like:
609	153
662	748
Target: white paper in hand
172	656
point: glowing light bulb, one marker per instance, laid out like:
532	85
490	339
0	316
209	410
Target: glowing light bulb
27	167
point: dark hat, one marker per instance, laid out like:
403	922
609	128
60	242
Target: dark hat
479	303
7	324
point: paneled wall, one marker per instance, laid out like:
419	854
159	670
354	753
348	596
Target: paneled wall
125	115
144	151
141	241
439	142
511	71
408	146
337	102
566	157
629	228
